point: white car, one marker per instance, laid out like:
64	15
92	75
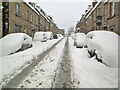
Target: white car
104	45
60	36
73	36
80	40
14	42
40	36
49	35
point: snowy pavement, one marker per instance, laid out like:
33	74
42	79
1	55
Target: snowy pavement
13	64
43	74
89	72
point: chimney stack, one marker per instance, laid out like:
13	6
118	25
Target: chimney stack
89	6
86	11
32	4
94	3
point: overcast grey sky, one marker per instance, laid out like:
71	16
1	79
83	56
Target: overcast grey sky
65	13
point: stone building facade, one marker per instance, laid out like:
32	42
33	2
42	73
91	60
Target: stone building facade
19	18
112	21
55	29
47	25
24	17
119	17
103	16
1	19
62	31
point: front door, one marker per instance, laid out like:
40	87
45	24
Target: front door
25	31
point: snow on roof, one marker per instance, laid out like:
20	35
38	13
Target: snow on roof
35	10
87	12
31	7
106	1
45	16
50	19
84	15
42	14
93	9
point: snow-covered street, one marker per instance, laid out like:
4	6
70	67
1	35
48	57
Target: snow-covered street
12	65
66	66
43	74
89	72
59	44
62	78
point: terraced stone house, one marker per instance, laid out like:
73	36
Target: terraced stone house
104	15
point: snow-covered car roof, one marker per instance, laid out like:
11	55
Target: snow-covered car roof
39	33
13	42
80	33
106	44
48	32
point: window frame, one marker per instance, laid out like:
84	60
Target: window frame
99	9
17	28
17	9
112	9
27	15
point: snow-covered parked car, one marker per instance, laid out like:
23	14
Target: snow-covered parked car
80	40
104	45
40	36
49	35
60	36
73	35
14	42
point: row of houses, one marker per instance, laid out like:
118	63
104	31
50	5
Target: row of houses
103	15
25	17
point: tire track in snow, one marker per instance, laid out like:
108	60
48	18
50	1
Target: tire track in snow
62	77
24	73
42	75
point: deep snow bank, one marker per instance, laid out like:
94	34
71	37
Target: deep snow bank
13	42
13	64
105	44
89	72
